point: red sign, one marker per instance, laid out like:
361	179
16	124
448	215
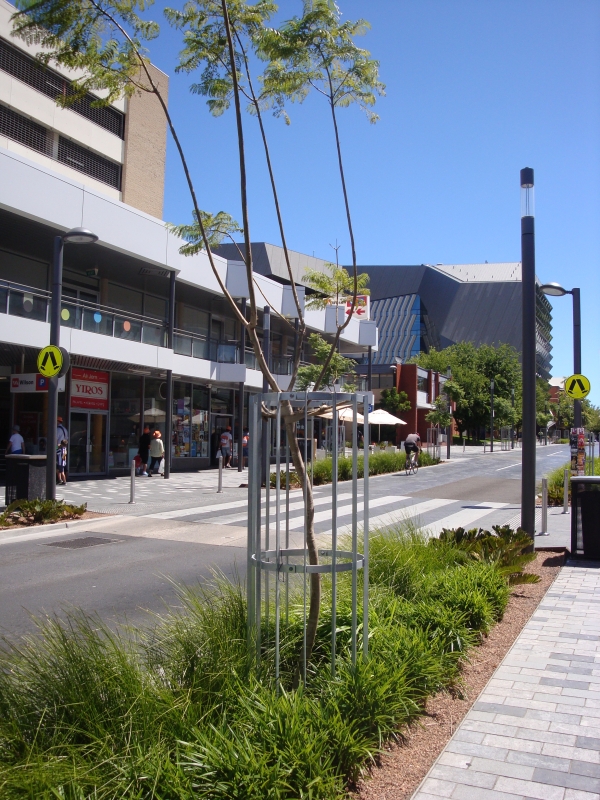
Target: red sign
361	307
89	389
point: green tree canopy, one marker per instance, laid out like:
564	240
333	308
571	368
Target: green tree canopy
394	401
472	370
337	367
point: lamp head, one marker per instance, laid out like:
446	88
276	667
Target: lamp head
554	289
80	236
527	196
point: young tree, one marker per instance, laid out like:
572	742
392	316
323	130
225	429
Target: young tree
311	373
394	401
106	40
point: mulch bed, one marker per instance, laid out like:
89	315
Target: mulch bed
21	525
403	766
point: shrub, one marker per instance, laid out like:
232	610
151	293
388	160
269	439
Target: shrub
556	480
34	512
180	711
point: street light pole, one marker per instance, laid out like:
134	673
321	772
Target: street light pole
449	427
529	349
577	351
75	236
512	425
492	416
556	290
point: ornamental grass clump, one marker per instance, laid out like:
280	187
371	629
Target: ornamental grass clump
179	709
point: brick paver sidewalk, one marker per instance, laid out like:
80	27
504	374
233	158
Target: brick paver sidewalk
534	732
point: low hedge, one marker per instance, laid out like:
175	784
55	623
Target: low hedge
379	464
180	711
556	479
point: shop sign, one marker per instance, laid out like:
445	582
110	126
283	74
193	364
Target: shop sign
89	389
32	382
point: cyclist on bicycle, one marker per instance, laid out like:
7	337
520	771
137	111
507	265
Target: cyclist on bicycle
412	444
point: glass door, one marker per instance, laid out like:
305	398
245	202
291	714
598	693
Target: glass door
87	443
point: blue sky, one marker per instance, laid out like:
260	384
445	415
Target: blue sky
475	91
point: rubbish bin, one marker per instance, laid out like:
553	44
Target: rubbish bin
25	478
585	516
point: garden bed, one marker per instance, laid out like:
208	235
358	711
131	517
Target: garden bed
179	710
402	767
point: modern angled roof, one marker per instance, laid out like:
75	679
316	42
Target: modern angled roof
481	273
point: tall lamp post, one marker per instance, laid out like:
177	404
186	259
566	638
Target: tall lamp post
556	290
529	349
75	236
492	416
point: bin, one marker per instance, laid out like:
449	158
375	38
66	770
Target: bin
25	478
585	516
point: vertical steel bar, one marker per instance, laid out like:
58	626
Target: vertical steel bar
367	439
277	534
305	543
252	501
132	486
287	525
169	392
354	520
566	492
55	306
259	463
334	508
220	480
544	505
577	351
268	522
528	291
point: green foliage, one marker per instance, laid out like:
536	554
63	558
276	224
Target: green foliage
379	464
337	367
34	512
472	370
335	288
394	401
216	228
179	711
507	549
564	414
556	481
440	415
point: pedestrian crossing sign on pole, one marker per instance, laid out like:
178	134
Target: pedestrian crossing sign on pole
577	387
50	361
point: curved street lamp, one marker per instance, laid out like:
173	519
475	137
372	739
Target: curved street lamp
74	236
556	290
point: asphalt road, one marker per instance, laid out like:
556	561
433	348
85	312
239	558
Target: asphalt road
134	568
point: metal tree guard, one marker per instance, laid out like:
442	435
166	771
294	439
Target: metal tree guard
269	552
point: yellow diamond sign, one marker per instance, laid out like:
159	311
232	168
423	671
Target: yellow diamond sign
577	387
50	361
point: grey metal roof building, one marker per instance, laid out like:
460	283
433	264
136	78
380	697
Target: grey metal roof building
423	306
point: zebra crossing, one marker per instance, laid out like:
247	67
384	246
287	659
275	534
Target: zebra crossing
431	514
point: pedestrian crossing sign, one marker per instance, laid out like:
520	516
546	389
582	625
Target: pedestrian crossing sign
577	387
50	361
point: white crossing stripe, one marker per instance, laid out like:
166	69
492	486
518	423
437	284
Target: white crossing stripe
319	501
186	512
346	511
462	518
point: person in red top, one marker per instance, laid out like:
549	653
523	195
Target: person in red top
225	444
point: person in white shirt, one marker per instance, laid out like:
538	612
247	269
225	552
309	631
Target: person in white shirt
225	443
15	443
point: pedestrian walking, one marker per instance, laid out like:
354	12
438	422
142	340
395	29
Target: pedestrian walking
157	451
62	435
225	444
16	442
245	444
144	450
61	462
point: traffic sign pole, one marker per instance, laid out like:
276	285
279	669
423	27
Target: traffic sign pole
53	382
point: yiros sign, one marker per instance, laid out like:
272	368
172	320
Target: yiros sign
89	389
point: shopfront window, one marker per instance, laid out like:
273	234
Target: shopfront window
125	393
200	441
182	402
155	404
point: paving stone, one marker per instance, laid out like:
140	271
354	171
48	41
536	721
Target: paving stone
466	735
501	708
468	777
539	791
511	744
565	684
438	788
507	768
476	793
589	742
575	794
568	780
470	749
585	768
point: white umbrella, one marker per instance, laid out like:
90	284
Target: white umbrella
345	415
381	417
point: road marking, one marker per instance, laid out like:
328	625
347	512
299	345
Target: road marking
319	501
462	518
518	464
397	517
186	512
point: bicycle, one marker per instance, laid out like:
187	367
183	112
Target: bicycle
412	463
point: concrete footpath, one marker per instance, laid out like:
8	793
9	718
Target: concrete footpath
534	731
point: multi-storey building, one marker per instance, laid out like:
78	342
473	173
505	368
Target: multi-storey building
135	312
